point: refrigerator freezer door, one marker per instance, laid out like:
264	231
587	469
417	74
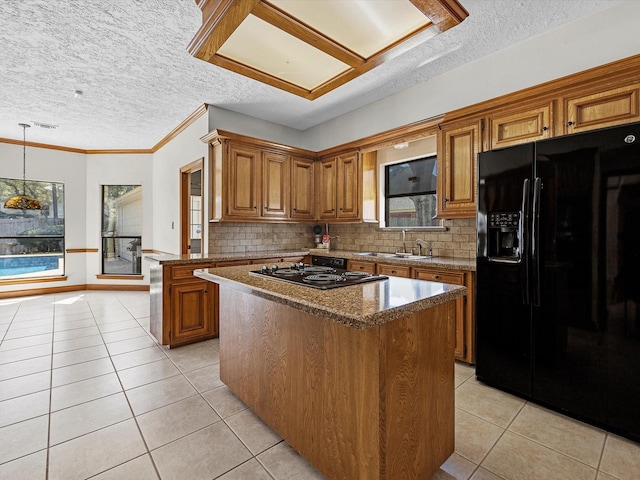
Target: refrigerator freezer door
503	313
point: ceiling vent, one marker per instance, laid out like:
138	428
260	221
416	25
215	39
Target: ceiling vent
48	126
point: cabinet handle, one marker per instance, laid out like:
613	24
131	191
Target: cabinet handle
569	123
393	271
544	129
255	207
436	276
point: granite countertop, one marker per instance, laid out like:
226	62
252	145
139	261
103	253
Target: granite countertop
358	306
443	263
169	259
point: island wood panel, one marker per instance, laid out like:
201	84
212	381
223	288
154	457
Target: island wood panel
358	404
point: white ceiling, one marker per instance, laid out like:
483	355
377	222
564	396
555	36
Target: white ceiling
129	59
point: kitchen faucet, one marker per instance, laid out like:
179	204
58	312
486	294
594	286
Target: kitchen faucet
419	242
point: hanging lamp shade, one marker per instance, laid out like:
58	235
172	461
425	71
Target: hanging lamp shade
24	201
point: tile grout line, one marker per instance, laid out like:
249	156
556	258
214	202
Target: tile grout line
133	415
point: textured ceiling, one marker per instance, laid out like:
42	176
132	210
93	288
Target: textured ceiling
129	59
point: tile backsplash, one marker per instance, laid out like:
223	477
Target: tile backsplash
459	239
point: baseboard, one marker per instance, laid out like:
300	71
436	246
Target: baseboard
71	288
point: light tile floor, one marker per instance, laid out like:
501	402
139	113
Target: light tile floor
85	391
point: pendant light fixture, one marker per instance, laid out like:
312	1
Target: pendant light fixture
24	202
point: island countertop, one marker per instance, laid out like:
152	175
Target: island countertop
359	306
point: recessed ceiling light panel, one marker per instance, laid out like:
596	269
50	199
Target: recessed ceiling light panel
266	48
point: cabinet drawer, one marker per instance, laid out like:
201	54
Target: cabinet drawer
438	276
367	267
394	270
182	272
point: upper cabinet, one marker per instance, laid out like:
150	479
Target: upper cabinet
242	194
604	108
251	181
346	184
512	128
303	196
459	146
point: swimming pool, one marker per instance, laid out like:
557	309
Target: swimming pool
27	265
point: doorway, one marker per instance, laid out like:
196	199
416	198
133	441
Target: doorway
191	211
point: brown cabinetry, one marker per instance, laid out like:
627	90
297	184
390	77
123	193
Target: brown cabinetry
253	180
356	266
243	181
464	307
599	109
184	308
394	270
347	188
303	196
512	128
457	166
258	183
275	185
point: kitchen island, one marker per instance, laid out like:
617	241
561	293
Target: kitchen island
358	379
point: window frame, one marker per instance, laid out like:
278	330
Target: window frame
384	188
59	200
134	243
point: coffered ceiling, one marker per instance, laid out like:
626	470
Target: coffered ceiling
311	47
118	74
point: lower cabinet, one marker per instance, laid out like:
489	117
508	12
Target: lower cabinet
194	312
367	267
184	308
394	270
464	349
464	307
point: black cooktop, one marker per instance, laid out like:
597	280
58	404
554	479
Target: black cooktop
316	276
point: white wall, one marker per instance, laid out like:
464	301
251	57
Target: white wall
180	151
56	166
610	35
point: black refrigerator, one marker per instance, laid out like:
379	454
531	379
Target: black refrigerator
558	275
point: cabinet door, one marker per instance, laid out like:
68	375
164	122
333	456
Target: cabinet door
455	279
457	160
348	187
521	127
327	178
356	266
302	189
193	312
275	185
603	109
243	183
393	270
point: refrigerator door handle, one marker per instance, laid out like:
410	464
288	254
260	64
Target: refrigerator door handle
535	240
524	240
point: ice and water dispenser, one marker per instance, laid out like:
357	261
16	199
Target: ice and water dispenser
505	239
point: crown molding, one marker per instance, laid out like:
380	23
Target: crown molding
201	110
